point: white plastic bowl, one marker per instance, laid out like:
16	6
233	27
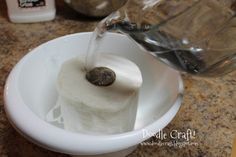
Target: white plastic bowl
30	93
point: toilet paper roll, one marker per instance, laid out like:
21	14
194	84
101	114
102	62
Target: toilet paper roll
94	109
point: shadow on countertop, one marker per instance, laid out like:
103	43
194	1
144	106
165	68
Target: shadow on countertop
3	9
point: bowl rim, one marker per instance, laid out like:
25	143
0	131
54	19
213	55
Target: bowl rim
50	137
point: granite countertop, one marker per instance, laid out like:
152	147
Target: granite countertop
209	105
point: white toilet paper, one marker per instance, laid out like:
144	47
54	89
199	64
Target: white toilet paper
94	109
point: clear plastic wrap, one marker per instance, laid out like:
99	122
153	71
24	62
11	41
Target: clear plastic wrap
194	36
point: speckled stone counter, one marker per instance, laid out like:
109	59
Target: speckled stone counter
209	105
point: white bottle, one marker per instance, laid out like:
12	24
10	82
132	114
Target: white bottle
28	11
